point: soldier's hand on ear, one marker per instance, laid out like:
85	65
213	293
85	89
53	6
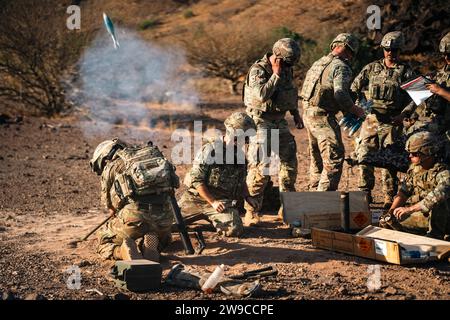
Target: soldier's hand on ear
112	212
276	66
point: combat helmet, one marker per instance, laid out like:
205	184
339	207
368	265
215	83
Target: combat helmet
393	40
288	50
348	39
239	120
423	142
444	45
105	151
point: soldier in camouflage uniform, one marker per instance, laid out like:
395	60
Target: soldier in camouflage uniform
427	188
380	81
434	114
269	92
325	92
146	219
214	185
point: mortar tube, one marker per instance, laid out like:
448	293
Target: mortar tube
345	211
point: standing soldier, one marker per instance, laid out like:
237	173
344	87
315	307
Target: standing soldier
427	189
325	92
269	92
434	113
380	82
216	186
137	185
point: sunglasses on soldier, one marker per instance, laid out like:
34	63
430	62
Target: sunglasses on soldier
415	154
390	49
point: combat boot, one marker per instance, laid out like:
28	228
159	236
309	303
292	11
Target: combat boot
251	219
129	250
150	247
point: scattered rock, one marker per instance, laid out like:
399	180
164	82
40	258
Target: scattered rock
35	296
8	296
121	296
343	291
390	291
336	274
2	229
84	263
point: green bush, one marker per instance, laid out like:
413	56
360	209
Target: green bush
188	14
149	23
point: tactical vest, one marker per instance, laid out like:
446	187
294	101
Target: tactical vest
147	174
384	88
317	89
285	97
424	181
227	180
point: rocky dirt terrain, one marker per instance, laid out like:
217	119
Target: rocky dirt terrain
48	197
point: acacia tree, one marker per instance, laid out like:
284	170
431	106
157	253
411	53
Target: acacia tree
227	51
36	49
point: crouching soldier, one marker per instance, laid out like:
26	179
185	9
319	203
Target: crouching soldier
216	181
427	187
137	183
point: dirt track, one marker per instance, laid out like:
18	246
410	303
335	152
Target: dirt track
48	197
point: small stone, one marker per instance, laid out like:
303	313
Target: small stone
390	291
343	291
84	263
8	296
35	296
121	296
336	274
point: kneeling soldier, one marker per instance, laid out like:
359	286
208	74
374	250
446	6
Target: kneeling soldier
427	186
214	184
137	183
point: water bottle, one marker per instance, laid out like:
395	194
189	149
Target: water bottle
213	279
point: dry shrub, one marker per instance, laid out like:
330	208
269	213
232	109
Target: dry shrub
36	49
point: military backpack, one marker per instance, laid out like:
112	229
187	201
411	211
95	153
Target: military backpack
147	172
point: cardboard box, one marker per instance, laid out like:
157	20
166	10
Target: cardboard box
322	209
383	245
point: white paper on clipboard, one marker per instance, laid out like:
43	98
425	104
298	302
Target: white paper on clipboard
417	90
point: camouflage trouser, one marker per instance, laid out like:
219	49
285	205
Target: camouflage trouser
227	223
325	149
258	169
436	225
134	221
373	136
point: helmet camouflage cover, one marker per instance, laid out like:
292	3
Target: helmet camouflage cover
444	45
393	40
347	39
239	120
288	50
423	142
103	152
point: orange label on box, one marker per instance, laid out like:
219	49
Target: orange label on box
364	245
360	219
